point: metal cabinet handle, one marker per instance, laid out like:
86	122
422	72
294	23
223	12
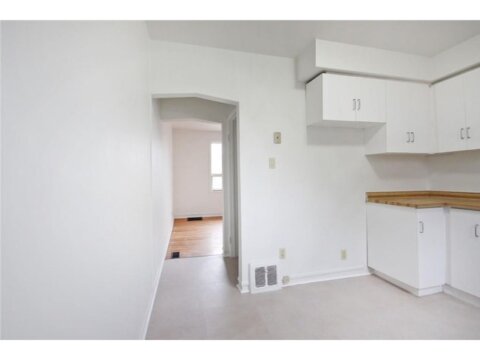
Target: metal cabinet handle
476	231
408	137
413	136
422	227
359	104
462	135
468	132
354	104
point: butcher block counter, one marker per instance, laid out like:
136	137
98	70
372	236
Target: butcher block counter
427	199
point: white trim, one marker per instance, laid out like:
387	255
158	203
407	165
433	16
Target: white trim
429	291
408	288
242	287
197	215
156	282
335	274
462	295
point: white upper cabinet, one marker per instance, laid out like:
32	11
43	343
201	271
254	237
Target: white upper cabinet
341	100
370	95
472	109
400	116
450	114
339	103
458	112
410	125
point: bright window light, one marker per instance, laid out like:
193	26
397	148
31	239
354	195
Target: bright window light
216	166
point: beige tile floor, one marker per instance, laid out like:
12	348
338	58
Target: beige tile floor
197	299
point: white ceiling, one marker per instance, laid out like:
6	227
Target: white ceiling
289	38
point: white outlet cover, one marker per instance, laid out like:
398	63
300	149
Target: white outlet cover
271	163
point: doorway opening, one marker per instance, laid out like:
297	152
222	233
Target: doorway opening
204	175
198	198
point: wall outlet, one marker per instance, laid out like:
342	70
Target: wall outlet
271	163
285	280
282	253
343	254
277	137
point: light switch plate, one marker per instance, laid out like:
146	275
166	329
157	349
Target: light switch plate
277	137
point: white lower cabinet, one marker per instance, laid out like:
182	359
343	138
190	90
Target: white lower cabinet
464	246
408	246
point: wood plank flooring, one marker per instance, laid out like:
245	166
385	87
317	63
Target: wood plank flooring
197	238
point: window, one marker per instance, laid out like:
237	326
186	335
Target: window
216	166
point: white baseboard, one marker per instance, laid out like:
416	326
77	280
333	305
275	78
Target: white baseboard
417	292
242	287
156	281
197	215
429	291
328	275
462	295
447	289
143	335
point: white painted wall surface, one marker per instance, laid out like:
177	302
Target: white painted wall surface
313	203
455	171
78	255
457	58
192	194
1	322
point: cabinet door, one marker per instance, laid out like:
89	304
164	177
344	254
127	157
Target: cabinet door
421	116
339	97
399	125
472	108
410	123
372	97
450	114
432	247
392	242
465	251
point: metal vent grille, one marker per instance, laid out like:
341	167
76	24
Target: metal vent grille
264	276
272	275
260	277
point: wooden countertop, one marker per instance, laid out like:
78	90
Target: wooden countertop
427	199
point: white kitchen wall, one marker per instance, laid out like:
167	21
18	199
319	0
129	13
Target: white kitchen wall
1	24
455	171
192	194
85	228
77	247
313	202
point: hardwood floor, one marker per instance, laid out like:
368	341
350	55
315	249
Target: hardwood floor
197	238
